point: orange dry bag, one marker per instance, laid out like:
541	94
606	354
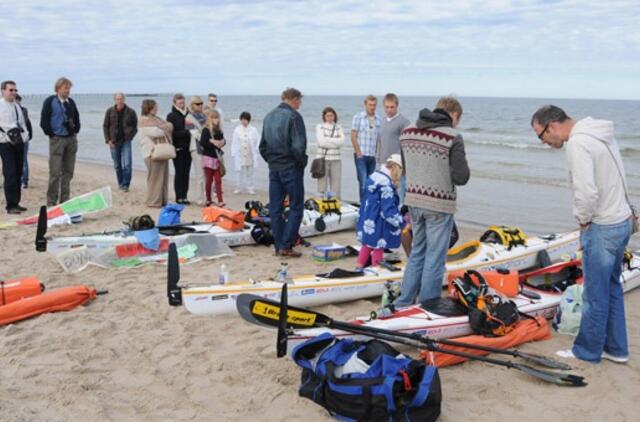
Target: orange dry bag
13	290
225	218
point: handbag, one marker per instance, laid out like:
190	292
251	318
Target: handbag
221	168
163	150
318	168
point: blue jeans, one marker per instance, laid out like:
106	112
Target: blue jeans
365	165
403	189
25	166
602	327
282	183
121	156
427	263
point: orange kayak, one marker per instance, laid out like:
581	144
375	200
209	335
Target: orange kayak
59	300
20	288
526	330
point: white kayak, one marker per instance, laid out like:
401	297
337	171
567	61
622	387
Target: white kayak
99	241
313	290
428	322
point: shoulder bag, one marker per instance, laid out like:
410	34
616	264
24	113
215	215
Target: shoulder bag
162	150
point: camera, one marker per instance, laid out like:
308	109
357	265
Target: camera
70	125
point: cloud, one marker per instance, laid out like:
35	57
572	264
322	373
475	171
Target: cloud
346	47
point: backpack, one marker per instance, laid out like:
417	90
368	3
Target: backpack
567	319
367	380
490	313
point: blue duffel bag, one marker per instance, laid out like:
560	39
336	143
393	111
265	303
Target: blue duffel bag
367	380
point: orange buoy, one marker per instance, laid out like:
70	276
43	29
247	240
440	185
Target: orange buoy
64	299
20	288
525	331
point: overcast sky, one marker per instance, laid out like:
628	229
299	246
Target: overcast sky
552	49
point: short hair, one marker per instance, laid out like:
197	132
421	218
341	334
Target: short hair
4	84
18	98
62	82
391	97
118	93
177	97
245	115
291	94
450	104
547	114
211	94
370	97
329	110
147	106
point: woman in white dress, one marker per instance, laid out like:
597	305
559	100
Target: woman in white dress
244	150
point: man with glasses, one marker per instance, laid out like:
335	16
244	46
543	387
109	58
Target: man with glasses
212	104
13	134
601	208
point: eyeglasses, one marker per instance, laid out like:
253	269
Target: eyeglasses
541	134
197	103
213	101
12	90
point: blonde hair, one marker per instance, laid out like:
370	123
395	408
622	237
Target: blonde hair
450	104
370	97
62	82
212	114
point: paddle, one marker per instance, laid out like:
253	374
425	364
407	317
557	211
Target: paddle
281	345
41	230
256	309
174	292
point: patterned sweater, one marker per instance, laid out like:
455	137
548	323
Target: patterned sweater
435	162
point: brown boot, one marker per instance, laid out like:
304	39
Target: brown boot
289	253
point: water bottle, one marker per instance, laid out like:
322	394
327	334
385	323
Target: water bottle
283	274
223	275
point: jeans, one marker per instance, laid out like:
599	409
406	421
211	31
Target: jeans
281	183
602	327
121	156
62	164
12	156
365	165
182	166
427	263
403	189
25	166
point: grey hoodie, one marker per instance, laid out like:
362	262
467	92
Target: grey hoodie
596	173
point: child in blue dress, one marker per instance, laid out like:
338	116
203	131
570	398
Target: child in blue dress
380	222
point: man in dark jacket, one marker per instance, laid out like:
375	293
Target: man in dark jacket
283	146
60	121
120	126
181	141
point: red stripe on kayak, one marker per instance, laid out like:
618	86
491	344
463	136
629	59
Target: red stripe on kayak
134	249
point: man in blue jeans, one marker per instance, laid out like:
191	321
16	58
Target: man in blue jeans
120	126
601	207
283	146
435	162
364	137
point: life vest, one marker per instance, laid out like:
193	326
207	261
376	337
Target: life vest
503	235
367	381
324	206
489	312
225	218
506	282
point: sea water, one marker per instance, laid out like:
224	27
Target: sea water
515	180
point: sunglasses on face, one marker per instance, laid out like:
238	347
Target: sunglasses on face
213	101
197	103
541	134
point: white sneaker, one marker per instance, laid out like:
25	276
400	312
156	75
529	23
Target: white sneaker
237	191
616	359
567	354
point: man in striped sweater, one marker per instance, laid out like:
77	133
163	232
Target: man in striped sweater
435	162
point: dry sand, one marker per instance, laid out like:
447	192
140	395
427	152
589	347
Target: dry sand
130	356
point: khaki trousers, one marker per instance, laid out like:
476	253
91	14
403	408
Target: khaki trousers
62	162
332	178
157	182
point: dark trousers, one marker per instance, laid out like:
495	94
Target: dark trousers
282	183
182	166
12	157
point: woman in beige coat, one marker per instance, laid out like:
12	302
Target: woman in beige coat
154	130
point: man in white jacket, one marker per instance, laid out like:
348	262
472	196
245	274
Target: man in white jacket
601	206
13	133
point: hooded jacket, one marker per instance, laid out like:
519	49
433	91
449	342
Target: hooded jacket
434	161
596	173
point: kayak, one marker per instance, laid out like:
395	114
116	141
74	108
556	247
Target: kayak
313	290
70	211
440	319
20	288
98	241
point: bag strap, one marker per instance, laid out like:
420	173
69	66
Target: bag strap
624	183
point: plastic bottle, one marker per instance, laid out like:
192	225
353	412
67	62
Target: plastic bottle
283	274
223	275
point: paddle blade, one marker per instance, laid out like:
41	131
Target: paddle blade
41	230
565	380
174	293
281	344
542	361
258	310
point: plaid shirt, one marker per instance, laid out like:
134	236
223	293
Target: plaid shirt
367	136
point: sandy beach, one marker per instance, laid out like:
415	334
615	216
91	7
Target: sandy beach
129	356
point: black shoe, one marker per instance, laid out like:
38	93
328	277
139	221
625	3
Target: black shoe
21	208
25	186
13	211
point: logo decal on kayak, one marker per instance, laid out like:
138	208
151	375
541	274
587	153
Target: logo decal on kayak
220	297
269	311
307	292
